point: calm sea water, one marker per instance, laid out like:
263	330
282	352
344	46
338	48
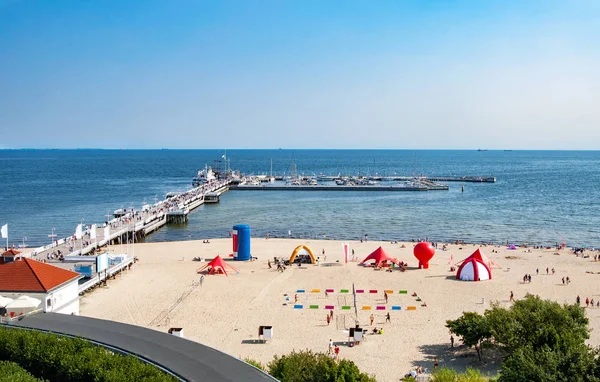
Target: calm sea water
540	196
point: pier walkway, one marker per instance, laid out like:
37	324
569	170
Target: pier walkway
132	226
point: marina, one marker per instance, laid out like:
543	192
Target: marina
321	187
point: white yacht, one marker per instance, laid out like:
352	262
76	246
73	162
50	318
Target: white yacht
120	212
207	175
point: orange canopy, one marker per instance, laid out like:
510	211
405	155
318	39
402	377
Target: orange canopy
379	256
216	263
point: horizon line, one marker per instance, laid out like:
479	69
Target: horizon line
275	149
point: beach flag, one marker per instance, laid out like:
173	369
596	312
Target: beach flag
4	231
346	249
79	231
93	232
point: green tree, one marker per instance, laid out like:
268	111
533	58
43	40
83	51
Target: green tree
539	323
543	340
307	366
473	329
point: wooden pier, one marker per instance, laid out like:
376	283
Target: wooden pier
133	225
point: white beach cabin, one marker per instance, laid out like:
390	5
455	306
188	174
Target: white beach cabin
34	285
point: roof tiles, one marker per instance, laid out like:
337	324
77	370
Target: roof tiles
26	275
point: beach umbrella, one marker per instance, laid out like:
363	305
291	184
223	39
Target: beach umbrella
4	301
22	304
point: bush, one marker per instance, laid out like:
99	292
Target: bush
450	375
254	363
306	366
12	372
66	359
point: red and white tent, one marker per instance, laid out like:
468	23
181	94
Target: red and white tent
379	256
475	268
217	265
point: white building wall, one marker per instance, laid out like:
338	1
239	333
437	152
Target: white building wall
64	300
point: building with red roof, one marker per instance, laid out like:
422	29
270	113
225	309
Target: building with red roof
8	256
57	288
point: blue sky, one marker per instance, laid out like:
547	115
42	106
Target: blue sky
300	74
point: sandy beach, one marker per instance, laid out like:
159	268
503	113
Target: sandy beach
162	291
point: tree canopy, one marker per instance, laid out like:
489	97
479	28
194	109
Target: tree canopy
307	366
542	340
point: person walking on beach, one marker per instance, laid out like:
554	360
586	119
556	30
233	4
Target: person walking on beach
587	302
546	270
451	341
553	271
331	314
537	271
387	318
568	280
578	300
563	280
372	318
435	364
295	298
385	295
330	346
337	352
512	296
328	319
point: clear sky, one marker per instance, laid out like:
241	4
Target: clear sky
300	74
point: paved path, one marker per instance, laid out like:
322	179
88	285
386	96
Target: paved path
187	359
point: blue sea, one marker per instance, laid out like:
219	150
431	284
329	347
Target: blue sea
539	197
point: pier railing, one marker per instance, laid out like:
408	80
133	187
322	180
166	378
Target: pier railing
104	275
152	219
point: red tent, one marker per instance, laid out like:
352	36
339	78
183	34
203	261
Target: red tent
481	257
216	264
475	268
379	256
